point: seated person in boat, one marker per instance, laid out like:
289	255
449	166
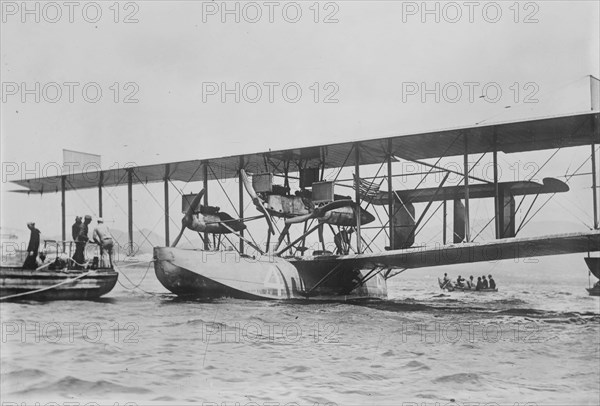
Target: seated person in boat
471	282
42	258
446	282
484	282
492	282
460	281
479	285
33	247
82	239
103	238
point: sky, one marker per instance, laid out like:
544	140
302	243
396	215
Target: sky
160	84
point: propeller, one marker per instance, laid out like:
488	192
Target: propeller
258	202
320	211
188	218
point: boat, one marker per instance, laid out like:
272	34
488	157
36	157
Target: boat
593	264
595	290
451	288
58	279
21	284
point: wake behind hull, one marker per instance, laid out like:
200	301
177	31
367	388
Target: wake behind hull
214	274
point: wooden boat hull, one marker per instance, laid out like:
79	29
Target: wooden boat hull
595	291
15	280
211	274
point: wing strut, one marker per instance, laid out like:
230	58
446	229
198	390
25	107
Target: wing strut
242	238
290	245
412	232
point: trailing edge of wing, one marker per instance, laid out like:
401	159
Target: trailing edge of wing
512	248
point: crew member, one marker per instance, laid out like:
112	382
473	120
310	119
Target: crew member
104	240
339	246
492	282
82	239
33	247
75	228
471	282
75	233
446	281
479	284
484	282
459	281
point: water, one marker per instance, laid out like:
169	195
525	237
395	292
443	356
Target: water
536	340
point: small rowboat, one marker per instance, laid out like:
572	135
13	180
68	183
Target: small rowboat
17	283
451	288
60	279
595	291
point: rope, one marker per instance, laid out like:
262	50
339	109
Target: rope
46	288
160	206
81	197
135	286
135	225
553	194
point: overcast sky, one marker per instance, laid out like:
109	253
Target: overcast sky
360	67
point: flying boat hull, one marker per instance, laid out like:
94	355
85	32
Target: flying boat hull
214	274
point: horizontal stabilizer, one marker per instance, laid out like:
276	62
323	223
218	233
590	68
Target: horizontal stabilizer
520	188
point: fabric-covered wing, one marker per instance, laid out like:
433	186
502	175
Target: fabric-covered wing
512	248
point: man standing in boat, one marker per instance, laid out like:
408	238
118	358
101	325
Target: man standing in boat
492	282
33	247
82	239
75	231
104	240
75	228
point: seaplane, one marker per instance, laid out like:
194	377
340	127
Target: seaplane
298	192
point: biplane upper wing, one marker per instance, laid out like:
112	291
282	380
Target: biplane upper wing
186	171
519	136
512	248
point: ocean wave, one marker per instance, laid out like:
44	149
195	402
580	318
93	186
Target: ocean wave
70	386
416	365
460	378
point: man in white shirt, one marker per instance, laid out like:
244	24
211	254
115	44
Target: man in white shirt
104	240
